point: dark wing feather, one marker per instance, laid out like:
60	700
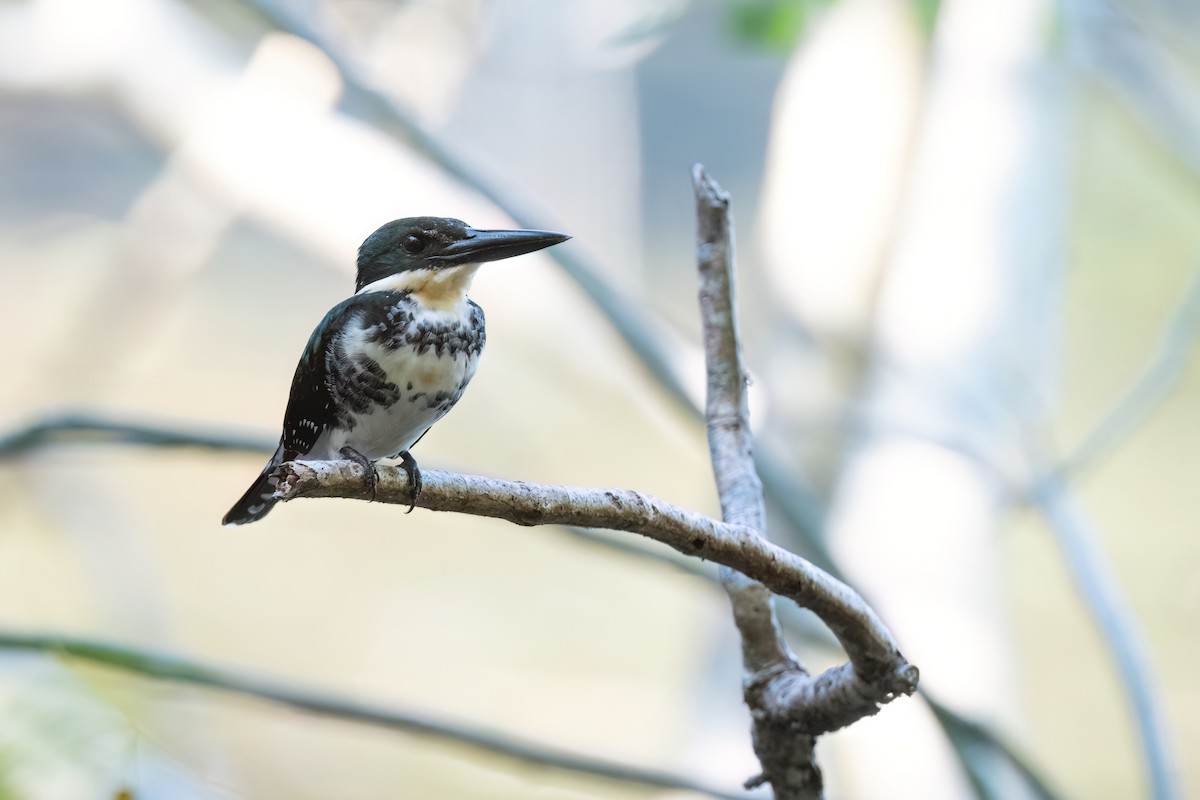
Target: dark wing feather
259	499
358	383
330	384
312	407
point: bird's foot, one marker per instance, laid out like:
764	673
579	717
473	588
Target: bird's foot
414	478
372	475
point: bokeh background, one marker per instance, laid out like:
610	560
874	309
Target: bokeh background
968	240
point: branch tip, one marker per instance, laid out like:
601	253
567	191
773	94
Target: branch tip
707	189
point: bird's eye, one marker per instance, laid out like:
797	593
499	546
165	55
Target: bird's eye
413	243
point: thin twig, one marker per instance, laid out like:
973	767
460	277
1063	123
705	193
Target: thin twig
1101	593
180	670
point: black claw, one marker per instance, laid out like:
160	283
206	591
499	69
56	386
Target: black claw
414	478
372	474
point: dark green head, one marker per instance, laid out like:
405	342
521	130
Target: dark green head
434	243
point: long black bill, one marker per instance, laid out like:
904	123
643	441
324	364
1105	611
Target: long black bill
479	246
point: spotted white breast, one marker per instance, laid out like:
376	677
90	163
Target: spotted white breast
421	357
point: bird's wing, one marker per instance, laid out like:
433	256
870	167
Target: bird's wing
312	407
332	379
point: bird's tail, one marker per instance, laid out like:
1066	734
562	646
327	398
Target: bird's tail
259	499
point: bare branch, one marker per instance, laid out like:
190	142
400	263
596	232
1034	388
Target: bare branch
729	440
787	757
181	670
867	642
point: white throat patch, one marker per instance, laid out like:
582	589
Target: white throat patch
436	289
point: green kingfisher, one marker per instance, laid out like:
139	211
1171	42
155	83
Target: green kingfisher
386	364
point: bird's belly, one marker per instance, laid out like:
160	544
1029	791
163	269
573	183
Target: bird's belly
429	385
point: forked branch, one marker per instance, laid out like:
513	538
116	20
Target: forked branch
861	633
790	707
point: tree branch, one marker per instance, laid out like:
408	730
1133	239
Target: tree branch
866	641
787	758
179	670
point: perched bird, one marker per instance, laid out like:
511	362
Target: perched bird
387	363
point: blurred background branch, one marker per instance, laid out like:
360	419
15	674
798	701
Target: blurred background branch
86	428
187	671
1119	627
1159	377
